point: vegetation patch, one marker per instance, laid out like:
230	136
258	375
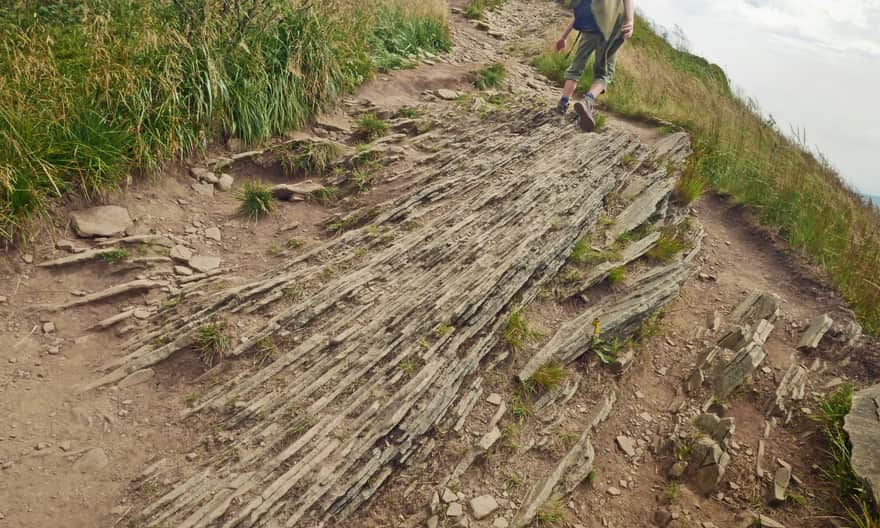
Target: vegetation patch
490	77
370	127
114	256
94	91
313	157
548	376
256	200
517	332
666	248
477	8
212	342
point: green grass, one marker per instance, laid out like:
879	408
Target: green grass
477	8
548	376
369	127
256	200
94	92
666	248
312	157
212	342
616	276
849	489
492	76
115	255
517	332
551	514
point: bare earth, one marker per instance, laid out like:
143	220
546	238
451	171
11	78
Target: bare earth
108	455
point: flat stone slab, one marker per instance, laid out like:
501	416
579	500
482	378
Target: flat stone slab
863	426
295	191
814	333
137	377
204	263
101	221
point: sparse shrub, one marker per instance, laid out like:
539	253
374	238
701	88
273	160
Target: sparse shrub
551	514
666	248
490	77
212	342
256	200
313	157
616	276
517	332
370	127
114	256
549	376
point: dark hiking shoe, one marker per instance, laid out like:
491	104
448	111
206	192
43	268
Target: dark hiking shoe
562	107
586	114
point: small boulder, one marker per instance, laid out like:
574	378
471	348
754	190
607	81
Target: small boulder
780	484
224	183
204	189
94	460
627	445
102	221
182	271
49	328
500	522
204	263
483	506
614	492
489	439
181	253
213	233
449	496
454	510
447	95
494	398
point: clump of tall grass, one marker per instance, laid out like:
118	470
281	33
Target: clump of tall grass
478	8
94	91
490	77
256	201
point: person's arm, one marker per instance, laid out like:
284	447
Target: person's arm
561	44
629	9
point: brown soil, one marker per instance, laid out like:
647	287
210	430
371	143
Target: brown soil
47	424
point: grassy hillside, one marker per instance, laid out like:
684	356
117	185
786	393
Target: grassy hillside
94	90
741	153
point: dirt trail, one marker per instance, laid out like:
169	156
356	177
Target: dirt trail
477	203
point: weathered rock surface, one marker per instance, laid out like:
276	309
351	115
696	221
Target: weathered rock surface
814	333
101	221
204	263
295	191
137	377
863	426
319	429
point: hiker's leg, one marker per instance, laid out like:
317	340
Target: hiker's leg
603	67
587	44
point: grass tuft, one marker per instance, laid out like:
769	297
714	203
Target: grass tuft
666	248
370	127
212	343
551	514
490	77
548	377
256	200
517	332
115	256
315	157
616	276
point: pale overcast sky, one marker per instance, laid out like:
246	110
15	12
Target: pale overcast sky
813	64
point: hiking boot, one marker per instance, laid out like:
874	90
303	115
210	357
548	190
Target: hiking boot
562	107
586	114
